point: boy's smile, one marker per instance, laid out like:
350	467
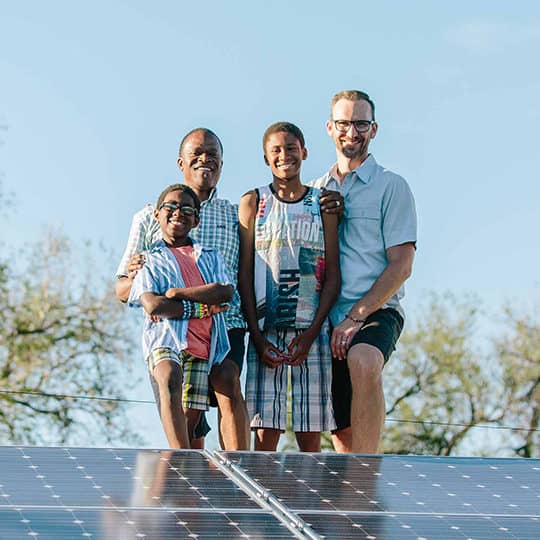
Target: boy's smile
174	218
284	154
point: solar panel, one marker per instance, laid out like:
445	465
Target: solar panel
67	493
64	493
345	496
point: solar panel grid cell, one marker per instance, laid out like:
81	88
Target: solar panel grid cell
71	493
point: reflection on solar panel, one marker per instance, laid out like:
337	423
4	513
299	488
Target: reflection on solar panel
402	496
68	493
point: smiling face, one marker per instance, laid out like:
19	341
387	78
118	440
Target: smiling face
284	153
175	225
201	160
351	144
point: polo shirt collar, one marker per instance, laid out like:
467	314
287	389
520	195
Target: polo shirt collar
363	172
213	195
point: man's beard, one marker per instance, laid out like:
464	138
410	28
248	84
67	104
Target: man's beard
351	152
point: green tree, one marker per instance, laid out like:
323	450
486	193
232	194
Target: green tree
62	332
440	383
519	355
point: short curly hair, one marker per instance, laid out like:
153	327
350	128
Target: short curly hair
283	127
179	187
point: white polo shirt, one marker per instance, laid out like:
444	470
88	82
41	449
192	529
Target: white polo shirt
379	213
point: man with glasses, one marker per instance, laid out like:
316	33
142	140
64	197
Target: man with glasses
377	243
200	160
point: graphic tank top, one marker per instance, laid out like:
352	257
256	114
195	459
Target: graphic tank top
289	259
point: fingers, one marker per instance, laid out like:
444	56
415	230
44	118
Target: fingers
136	262
273	357
331	202
297	360
214	309
340	343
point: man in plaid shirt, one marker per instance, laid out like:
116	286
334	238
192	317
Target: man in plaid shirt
200	160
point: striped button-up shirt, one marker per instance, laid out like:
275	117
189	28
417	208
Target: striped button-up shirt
217	229
161	272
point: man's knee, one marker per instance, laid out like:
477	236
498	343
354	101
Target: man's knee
168	375
225	378
365	364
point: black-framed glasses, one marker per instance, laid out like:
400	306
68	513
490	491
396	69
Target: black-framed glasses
361	126
184	209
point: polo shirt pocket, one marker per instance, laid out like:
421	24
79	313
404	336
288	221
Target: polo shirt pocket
365	221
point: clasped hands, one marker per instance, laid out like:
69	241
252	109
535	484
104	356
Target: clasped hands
297	351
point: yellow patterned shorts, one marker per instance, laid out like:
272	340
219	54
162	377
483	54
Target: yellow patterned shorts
195	376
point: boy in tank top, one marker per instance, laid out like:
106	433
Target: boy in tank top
288	282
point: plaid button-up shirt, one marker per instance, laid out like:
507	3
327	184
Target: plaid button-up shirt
217	229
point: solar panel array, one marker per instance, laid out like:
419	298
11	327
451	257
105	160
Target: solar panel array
70	493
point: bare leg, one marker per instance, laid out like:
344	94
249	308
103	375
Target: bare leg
267	439
192	419
197	444
168	376
342	440
233	416
308	441
367	410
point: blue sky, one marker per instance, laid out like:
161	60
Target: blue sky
97	96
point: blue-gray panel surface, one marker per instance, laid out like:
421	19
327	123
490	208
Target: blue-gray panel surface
349	483
72	524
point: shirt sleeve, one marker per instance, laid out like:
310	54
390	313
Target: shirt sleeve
136	240
399	214
148	279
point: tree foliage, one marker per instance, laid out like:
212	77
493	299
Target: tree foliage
440	383
519	354
62	332
447	380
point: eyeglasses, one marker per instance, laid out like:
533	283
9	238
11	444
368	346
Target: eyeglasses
361	126
184	209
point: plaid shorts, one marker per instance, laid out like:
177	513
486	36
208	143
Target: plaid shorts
195	374
310	382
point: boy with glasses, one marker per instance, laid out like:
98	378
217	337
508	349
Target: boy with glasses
182	288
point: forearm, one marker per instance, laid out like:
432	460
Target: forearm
122	288
247	295
332	275
246	216
161	306
386	285
211	293
327	298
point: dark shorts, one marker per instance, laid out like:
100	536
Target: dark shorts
236	354
381	330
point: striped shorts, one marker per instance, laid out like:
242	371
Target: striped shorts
310	383
195	376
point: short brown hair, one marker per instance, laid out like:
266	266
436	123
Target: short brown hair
284	127
179	187
353	95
